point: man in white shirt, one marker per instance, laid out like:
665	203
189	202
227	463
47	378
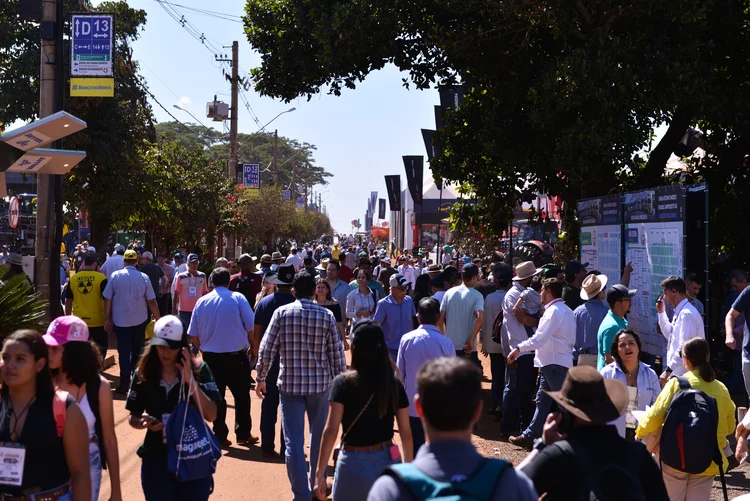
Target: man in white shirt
553	341
409	273
502	277
686	323
114	263
294	259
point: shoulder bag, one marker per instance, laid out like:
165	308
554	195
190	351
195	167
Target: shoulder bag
338	449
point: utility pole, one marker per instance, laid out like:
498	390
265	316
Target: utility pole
275	151
47	253
233	172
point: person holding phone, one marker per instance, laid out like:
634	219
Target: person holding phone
154	393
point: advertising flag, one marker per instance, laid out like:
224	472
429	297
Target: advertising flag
381	208
414	165
393	185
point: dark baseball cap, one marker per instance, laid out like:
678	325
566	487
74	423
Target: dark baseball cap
469	270
619	291
574	266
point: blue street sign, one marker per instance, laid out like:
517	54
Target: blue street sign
251	175
91	53
286	195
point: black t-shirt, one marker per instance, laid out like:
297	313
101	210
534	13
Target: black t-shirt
571	296
369	429
154	273
152	397
335	309
45	466
384	278
268	305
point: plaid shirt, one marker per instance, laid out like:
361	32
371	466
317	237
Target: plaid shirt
307	340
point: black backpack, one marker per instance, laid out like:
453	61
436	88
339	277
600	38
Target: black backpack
606	482
497	325
688	438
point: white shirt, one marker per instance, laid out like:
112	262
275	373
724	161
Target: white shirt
409	274
295	260
113	264
686	324
555	336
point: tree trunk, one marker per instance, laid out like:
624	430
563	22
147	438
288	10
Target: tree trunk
657	162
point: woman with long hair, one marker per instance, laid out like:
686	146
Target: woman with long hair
56	463
154	393
323	298
360	303
641	381
76	363
267	288
422	288
701	376
364	402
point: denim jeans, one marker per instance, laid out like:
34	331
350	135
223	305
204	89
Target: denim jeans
129	346
417	433
95	465
518	406
269	412
357	471
497	368
293	409
160	485
185	317
551	380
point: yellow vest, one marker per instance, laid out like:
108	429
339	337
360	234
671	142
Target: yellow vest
88	303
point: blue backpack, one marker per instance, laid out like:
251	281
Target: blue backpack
479	487
192	448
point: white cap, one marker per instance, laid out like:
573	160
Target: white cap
91	248
168	332
148	255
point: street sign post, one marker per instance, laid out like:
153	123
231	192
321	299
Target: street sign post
13	210
91	47
251	175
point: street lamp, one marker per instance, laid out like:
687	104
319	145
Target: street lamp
269	123
188	112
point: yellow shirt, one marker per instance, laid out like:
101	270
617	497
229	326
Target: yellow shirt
335	253
654	418
88	303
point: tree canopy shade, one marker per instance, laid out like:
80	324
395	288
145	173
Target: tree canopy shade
563	97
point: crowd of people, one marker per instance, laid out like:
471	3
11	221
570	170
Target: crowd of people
570	382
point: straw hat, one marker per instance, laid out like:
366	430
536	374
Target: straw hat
525	270
593	285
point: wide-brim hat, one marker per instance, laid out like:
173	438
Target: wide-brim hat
592	286
323	264
14	258
284	275
433	270
524	270
276	256
265	259
589	397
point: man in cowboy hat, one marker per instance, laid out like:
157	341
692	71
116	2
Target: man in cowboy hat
589	317
518	407
265	264
553	344
619	299
322	268
559	467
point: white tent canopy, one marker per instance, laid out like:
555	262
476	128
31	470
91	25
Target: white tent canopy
430	191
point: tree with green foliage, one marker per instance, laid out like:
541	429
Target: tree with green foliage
118	128
20	307
561	97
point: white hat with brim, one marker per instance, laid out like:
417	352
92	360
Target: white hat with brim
592	286
525	270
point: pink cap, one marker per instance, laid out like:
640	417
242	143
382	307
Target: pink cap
65	329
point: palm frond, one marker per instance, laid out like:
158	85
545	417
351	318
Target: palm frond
20	307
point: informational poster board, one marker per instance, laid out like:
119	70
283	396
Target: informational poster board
654	243
600	220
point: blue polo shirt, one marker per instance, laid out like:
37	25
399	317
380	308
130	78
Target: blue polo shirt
589	316
611	325
129	290
395	319
221	321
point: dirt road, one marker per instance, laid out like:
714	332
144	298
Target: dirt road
243	474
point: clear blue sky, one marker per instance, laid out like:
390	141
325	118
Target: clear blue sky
360	135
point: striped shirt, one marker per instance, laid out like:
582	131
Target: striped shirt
307	340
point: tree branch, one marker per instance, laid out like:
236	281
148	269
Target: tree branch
651	174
